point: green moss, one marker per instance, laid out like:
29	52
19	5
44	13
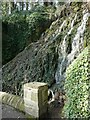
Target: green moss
76	6
29	117
87	34
77	87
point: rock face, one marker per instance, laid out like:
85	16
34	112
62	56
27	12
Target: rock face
47	59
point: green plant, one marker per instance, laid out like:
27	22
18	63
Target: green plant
20	29
77	87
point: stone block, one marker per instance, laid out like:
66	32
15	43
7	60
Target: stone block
35	98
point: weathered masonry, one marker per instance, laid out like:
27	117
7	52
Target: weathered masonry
36	98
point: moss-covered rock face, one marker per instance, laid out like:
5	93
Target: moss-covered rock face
46	60
87	35
77	85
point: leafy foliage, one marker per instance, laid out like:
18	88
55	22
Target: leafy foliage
77	87
20	29
87	35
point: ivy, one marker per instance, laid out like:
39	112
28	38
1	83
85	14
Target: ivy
77	87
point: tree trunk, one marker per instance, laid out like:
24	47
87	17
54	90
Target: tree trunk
9	8
22	4
27	5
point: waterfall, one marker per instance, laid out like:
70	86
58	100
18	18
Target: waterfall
63	47
78	40
61	63
59	68
80	31
72	25
62	25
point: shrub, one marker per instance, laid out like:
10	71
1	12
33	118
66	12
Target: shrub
77	87
37	23
20	29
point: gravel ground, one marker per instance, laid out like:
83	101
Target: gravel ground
10	112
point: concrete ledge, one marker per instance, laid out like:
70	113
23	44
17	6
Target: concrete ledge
12	100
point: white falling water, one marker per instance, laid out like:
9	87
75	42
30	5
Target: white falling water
63	47
78	39
80	31
62	26
58	72
72	24
57	32
59	76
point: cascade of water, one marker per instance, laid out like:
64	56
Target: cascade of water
62	26
61	65
57	32
63	47
79	35
72	25
56	2
80	31
59	75
78	39
59	68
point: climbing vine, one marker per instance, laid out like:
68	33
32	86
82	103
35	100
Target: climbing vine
77	87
